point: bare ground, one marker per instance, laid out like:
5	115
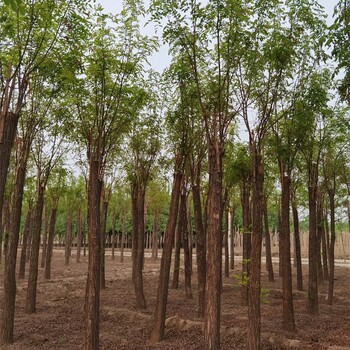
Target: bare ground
59	320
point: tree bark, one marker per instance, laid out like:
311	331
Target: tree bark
200	246
312	305
287	295
226	242
26	237
163	283
68	238
176	272
269	265
319	215
8	314
297	245
254	322
79	234
103	242
92	297
45	229
155	235
214	250
123	236
232	257
331	195
51	236
34	256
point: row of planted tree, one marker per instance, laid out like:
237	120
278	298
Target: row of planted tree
77	91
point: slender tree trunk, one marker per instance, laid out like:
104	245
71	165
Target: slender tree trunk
45	229
176	273
51	236
287	295
319	215
163	283
200	246
254	322
92	297
226	247
297	245
79	234
8	313
269	265
103	243
6	225
324	249
313	283
331	194
8	127
247	243
155	235
26	236
214	250
34	256
114	221
185	240
232	257
123	236
68	238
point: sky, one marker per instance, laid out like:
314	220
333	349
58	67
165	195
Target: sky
160	60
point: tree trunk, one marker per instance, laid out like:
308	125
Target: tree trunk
269	265
226	242
176	273
123	236
254	323
163	283
232	241
34	256
214	250
155	235
8	121
45	229
92	297
49	253
185	240
313	286
297	245
200	246
103	242
114	221
331	194
139	240
79	234
68	238
8	314
319	215
247	243
287	295
26	237
324	249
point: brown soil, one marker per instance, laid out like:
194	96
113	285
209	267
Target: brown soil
59	320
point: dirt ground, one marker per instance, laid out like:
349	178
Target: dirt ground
59	320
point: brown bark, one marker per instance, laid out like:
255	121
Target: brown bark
232	242
185	240
247	243
287	296
269	265
103	241
331	195
68	238
92	297
163	283
214	250
155	235
114	221
200	246
44	245
79	234
319	215
26	236
324	249
123	236
176	271
53	215
254	321
34	256
297	244
139	241
8	313
312	305
226	243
